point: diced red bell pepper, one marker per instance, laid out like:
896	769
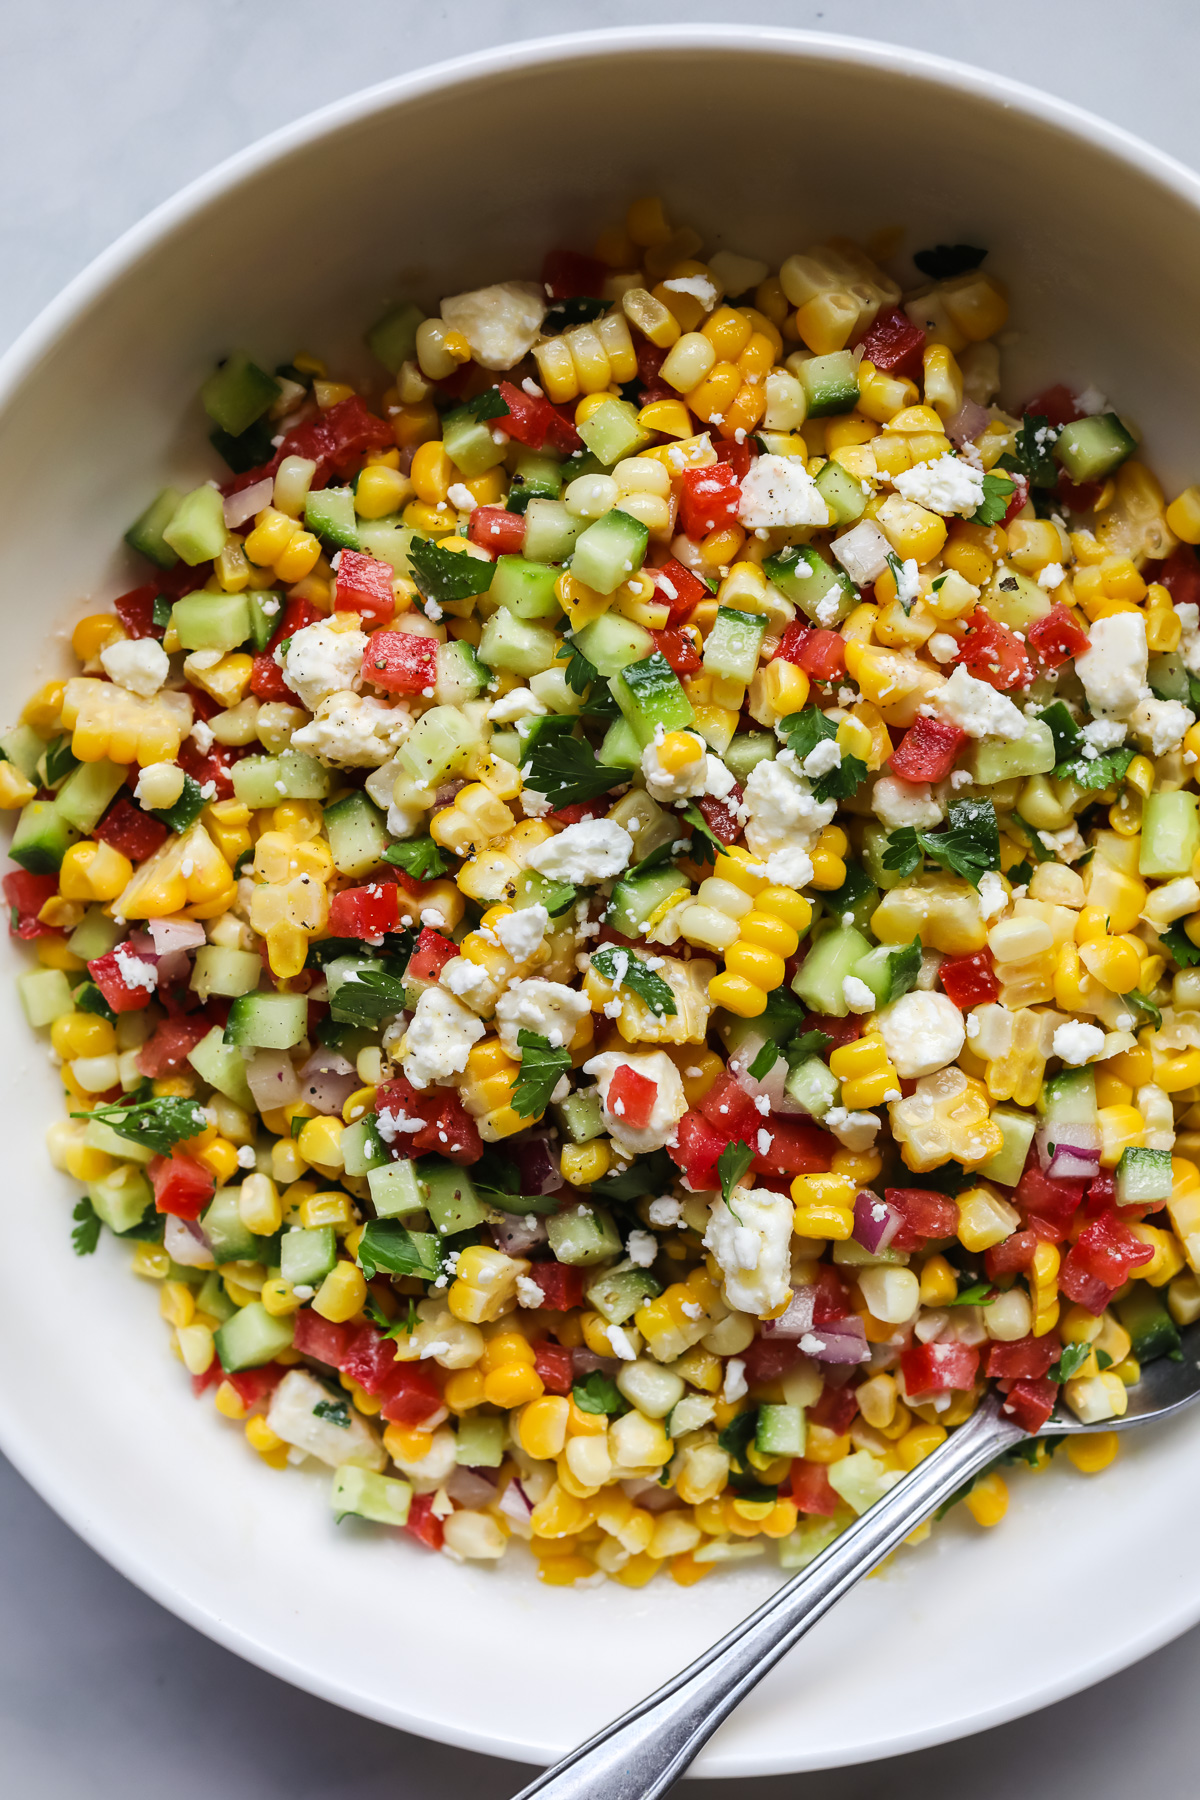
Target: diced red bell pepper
830	1301
740	457
1030	1403
969	980
1026	1359
938	1368
1056	1201
795	1149
682	590
1101	1195
650	359
1018	497
811	1490
401	662
578	811
413	1395
894	344
730	1110
296	615
210	1378
131	831
567	274
365	1355
1054	404
323	1339
365	912
494	528
927	750
254	1386
836	1409
679	648
1057	637
534	422
364	585
171	1042
838	1031
1077	496
696	1149
562	1285
555	1367
266	680
993	654
136	611
449	1130
709	499
213	766
122	995
719	815
924	1215
1107	1251
431	955
631	1096
1180	575
182	1186
26	895
1012	1255
821	654
423	1523
338	439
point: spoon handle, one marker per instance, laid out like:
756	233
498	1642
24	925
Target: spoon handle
640	1755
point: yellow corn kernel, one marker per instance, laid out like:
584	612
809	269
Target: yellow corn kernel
320	1142
939	1285
82	1034
584	1163
1093	1451
176	1303
220	1158
94	634
93	870
919	1442
341	1294
463	1390
260	1437
515	1384
987	1501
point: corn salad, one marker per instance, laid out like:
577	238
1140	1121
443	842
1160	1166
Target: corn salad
618	907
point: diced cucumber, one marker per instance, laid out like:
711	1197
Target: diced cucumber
997	759
540	890
223	1068
253	1336
818	981
145	535
362	1147
396	1190
206	621
617	1293
367	1495
197	529
747	750
508	746
23	747
733	644
649	694
213	1299
358	834
226	972
1152	1330
121	1197
231	1240
267	1021
553	690
1069	1098
583	1235
1166	676
610	551
481	1438
306	1257
550	531
516	644
1015	601
86	795
329	512
1143	1176
780	1431
1170	834
812	1086
806	1543
635	897
56	762
831	383
266	780
526	588
613	432
581	1117
1017	1129
393	338
460	674
469	443
237	393
42	838
537	476
97	933
264	607
879	969
387	540
842	492
874	843
1092	448
45	995
441	743
824	594
450	1197
855	901
611	643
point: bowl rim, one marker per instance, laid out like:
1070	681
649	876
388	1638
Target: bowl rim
37	342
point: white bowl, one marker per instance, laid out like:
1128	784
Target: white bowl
767	140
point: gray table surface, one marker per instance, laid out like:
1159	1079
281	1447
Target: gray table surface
107	110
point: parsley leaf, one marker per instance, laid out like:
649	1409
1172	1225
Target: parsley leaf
782	1008
1032	451
664	853
504	1200
897	568
580	673
948	1178
1144	1004
597	1393
86	1234
804	731
1020	874
418	857
448	574
732	1164
739	1434
1068	739
1096	771
541	1068
1180	947
806	1044
1032	841
335	1411
565	769
765	1060
944	260
998	490
491	404
624	969
580	309
1070	1362
386	1244
904	965
969	846
980	1293
1034	1451
157	1124
705	842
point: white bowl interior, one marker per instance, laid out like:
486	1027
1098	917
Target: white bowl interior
449	179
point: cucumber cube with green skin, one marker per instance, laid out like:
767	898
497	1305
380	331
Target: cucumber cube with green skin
1069	1098
1015	601
237	393
635	897
450	1197
620	749
1166	677
550	531
393	338
266	780
583	1235
370	1496
526	588
780	1431
24	748
480	1441
121	1197
387	540
508	747
265	608
1152	1331
460	674
197	529
1092	448
824	594
1170	835
611	643
537	476
610	551
223	1068
307	1257
1017	1129
211	621
231	1240
842	492
747	750
97	933
99	1136
42	838
469	443
580	1116
612	432
56	763
806	1543
267	1021
330	514
649	694
230	973
820	978
514	644
358	834
396	1190
1143	1175
45	995
541	890
617	1293
145	535
997	759
253	1336
441	743
874	844
87	793
213	1299
362	1149
831	383
732	646
812	1086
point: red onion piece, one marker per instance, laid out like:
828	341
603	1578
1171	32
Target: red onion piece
797	1319
446	793
327	1081
185	1243
771	1085
875	1222
845	1342
1069	1152
243	506
515	1503
516	1236
175	934
537	1165
585	1362
967	423
471	1487
272	1079
651	1496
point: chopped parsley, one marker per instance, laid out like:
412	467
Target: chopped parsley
804	731
564	768
705	842
418	857
186	810
491	404
799	1049
732	1164
739	1434
157	1124
336	1412
969	846
580	309
943	261
1180	947
1070	1362
765	1060
580	673
904	965
443	575
979	1293
1031	452
998	490
1097	772
624	969
597	1393
386	1244
542	1067
86	1233
1145	1004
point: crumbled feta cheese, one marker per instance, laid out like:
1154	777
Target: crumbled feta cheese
135	972
550	1008
518	703
460	496
522	931
897	803
641	1247
1104	734
684	783
590	851
943	647
665	1210
354	731
993	897
670	1103
535	805
1077	1042
246	1157
438	1039
822	758
1052	576
1067	845
862	552
923	1032
500	323
856	1131
783	817
1159	725
202	736
734	1385
621	1343
1090	402
320	661
528	1292
857	995
698	286
908	581
139	664
1188	615
778	490
1113	667
977	708
469	981
946	485
753	1248
717	779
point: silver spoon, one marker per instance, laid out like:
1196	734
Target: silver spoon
640	1755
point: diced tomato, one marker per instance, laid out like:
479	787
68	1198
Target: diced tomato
740	457
579	810
171	1042
1054	404
709	499
719	815
830	1301
821	654
554	1365
682	590
836	1409
131	831
266	680
136	611
1055	1201
696	1149
1180	575
210	1378
730	1110
296	615
566	274
1019	495
400	662
253	1386
365	1355
122	995
423	1523
927	750
449	1130
214	765
924	1215
431	955
631	1096
796	1148
679	648
1101	1195
561	434
337	440
1025	1359
1077	496
994	655
1011	1256
969	980
182	1186
562	1286
839	1031
1057	637
894	344
768	1359
496	529
365	912
413	1395
323	1339
938	1368
1030	1403
26	895
811	1489
1105	1251
364	585
650	359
